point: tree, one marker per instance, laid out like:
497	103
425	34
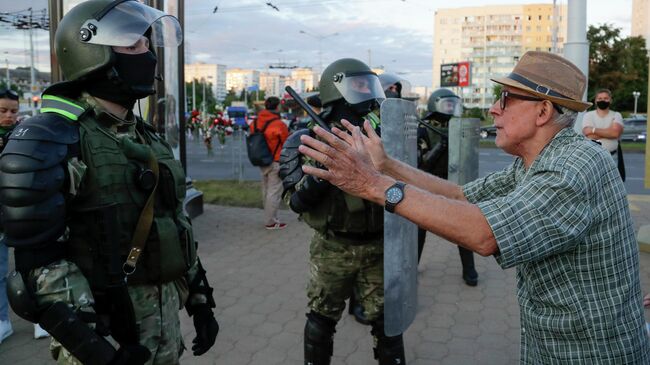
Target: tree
618	64
209	95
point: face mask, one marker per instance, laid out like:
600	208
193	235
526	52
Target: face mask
134	79
391	94
602	104
365	107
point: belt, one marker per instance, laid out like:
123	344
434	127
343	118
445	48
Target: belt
360	237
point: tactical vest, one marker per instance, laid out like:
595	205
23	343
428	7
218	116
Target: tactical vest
439	165
339	212
111	198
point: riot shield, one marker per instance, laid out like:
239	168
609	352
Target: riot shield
463	150
399	135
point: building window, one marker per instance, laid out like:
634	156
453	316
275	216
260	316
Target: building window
539	17
529	18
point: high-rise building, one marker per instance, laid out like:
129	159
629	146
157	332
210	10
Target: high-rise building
239	79
303	79
640	26
492	38
211	73
272	84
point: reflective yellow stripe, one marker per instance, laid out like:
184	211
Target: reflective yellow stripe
59	111
56	98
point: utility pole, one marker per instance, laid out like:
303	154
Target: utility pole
31	52
319	38
576	49
194	94
8	78
370	58
636	95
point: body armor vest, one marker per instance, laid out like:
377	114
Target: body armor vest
117	177
433	163
339	212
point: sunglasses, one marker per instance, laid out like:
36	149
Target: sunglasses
507	94
9	94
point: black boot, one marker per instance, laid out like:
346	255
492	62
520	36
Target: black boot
355	308
388	350
319	339
422	236
469	272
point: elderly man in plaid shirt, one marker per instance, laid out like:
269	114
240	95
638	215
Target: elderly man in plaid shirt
559	214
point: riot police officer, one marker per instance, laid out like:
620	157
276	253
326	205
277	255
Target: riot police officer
92	201
433	157
346	252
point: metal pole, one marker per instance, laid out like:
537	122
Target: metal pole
8	78
576	49
31	55
194	94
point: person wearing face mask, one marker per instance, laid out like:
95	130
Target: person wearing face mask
346	251
92	201
603	125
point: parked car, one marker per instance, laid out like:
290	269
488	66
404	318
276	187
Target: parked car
488	131
634	129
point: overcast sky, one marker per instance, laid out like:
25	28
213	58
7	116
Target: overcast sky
395	34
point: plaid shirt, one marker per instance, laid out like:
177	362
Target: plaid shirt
565	223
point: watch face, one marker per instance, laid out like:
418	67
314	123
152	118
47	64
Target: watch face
394	195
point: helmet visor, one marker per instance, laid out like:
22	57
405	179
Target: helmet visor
359	87
450	106
123	25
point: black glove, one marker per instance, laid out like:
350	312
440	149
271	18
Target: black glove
206	329
131	355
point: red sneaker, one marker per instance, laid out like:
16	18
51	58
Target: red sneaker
276	225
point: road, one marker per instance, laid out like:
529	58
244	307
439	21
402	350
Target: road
227	162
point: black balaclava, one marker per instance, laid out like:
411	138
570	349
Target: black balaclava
131	78
602	105
394	94
353	113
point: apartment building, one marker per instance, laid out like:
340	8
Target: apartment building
640	26
492	38
239	79
272	84
212	73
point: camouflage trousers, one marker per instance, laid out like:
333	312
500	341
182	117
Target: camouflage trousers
337	269
156	310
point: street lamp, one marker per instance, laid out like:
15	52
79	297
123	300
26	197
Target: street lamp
320	38
636	95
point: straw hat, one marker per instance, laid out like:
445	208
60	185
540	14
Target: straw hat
549	77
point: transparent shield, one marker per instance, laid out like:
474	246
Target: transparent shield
450	106
125	23
357	88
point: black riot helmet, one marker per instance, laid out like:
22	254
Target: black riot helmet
86	34
394	86
353	81
443	105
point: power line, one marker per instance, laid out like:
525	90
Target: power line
25	19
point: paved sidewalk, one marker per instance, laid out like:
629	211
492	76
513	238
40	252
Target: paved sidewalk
260	276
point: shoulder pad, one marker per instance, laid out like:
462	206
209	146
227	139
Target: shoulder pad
290	162
38	143
49	127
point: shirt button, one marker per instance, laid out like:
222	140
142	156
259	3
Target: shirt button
523	330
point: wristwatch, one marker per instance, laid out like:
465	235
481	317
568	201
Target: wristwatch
394	195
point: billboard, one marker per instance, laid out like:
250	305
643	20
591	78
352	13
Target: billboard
455	74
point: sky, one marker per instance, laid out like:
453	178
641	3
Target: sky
394	34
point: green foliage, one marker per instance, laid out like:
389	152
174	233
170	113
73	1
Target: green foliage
473	113
250	97
14	87
231	192
618	64
210	99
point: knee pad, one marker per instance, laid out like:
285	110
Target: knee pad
319	339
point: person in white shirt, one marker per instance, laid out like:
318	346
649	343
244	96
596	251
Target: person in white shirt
603	125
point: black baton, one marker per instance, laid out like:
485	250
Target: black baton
307	108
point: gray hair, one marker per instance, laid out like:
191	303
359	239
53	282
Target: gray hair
567	119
